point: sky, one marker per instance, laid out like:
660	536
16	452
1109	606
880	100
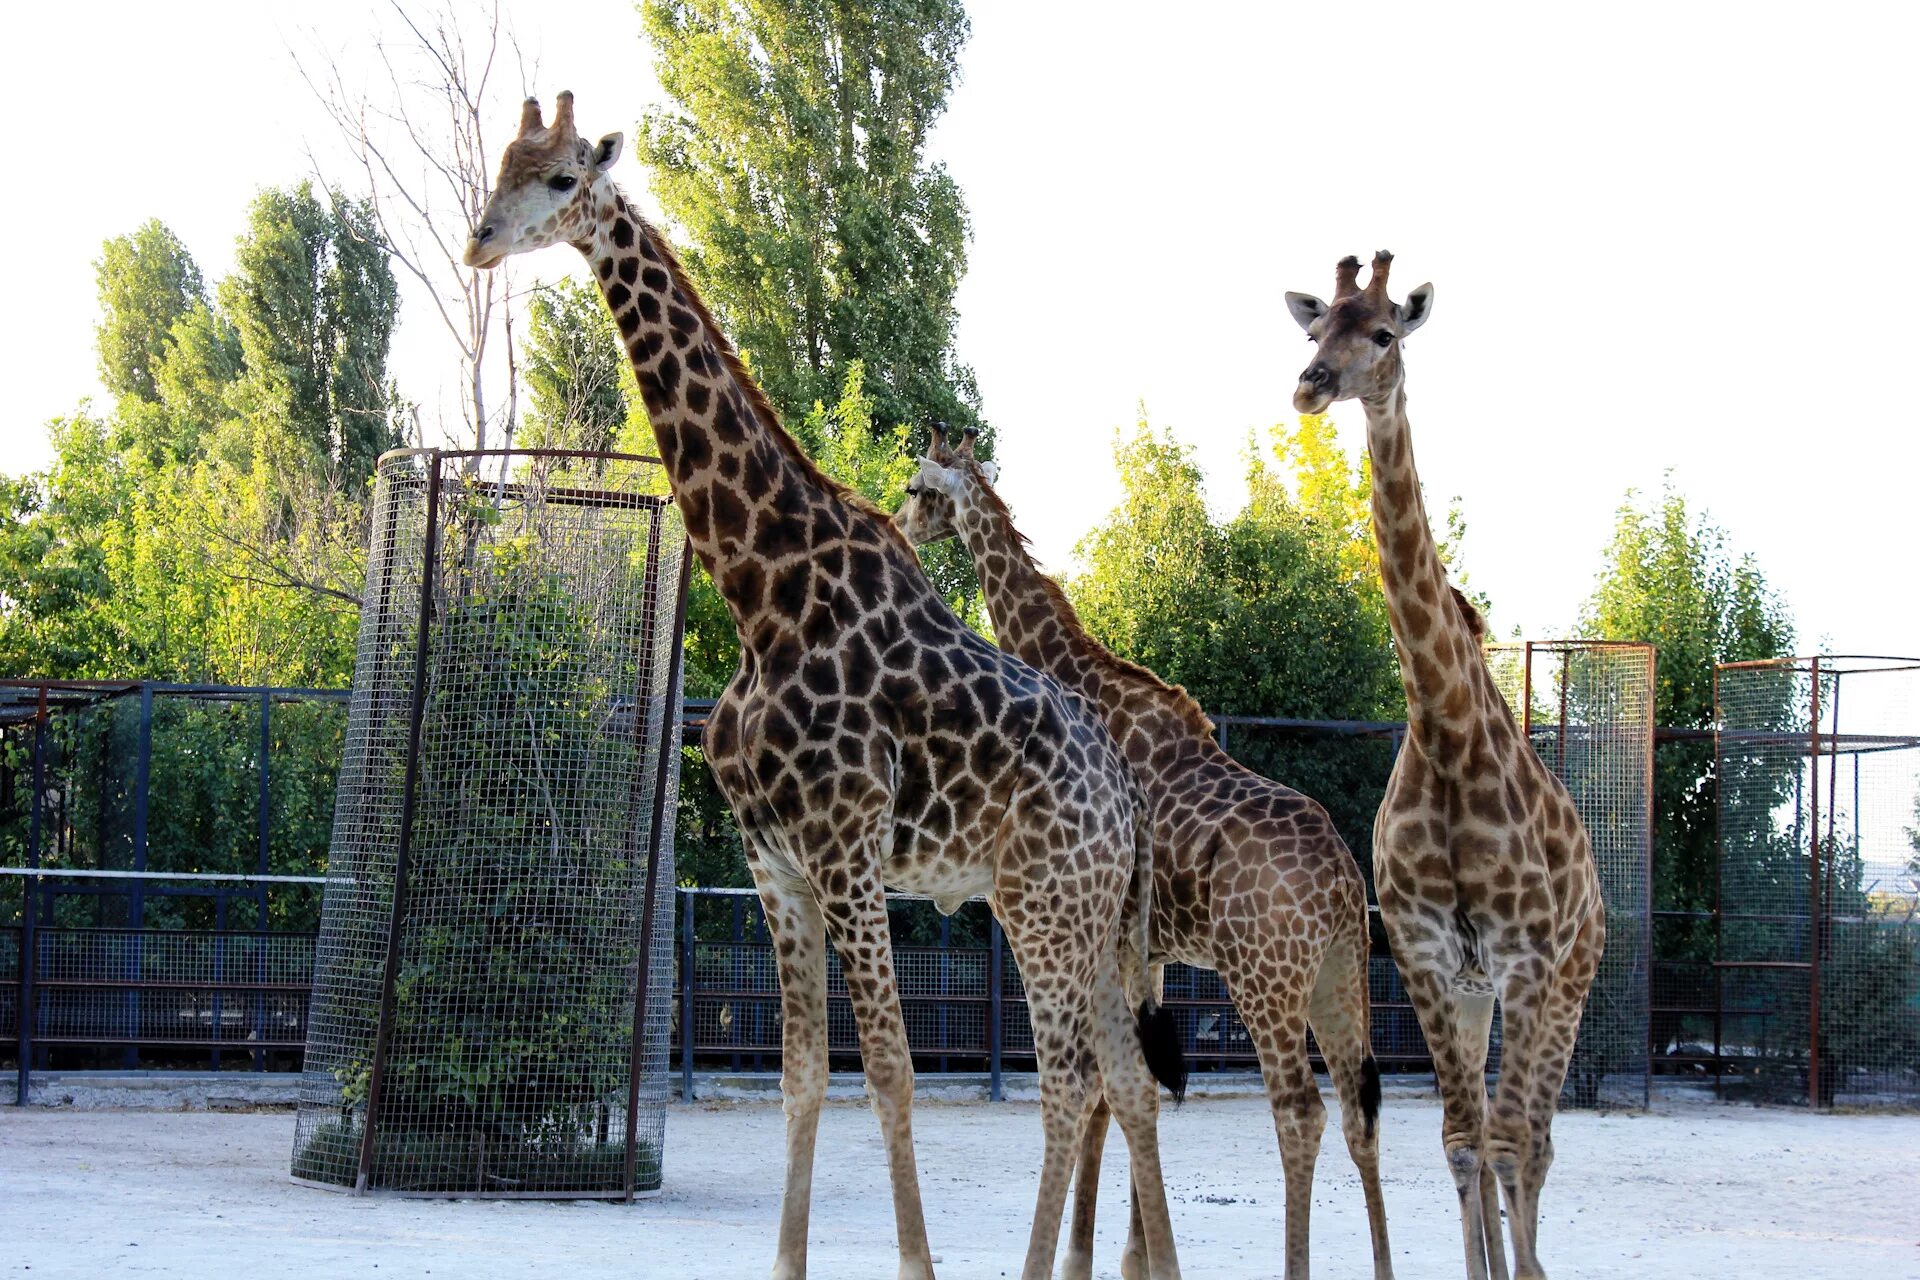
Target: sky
1667	240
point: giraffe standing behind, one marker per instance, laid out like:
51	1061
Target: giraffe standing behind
869	737
1250	876
1486	882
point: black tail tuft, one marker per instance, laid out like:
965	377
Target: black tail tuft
1160	1041
1370	1092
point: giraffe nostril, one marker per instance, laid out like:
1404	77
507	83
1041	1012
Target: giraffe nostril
486	234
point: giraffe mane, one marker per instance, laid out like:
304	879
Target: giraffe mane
1476	624
1177	698
757	401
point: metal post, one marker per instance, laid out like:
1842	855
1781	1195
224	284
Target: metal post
1719	890
30	888
383	1035
137	896
256	1013
1526	692
995	948
686	995
1560	736
1646	879
219	970
669	740
1813	904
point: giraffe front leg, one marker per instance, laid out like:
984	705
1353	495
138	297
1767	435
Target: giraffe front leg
800	950
857	922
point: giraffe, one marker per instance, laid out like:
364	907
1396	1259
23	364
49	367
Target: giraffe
1486	881
1250	876
869	737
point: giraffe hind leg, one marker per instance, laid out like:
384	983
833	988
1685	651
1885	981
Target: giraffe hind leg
1078	1263
1473	1021
1339	1016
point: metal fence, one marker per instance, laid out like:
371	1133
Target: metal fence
1819	942
141	1011
493	973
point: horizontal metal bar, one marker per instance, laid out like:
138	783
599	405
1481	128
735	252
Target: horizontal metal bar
163	984
172	1042
43	873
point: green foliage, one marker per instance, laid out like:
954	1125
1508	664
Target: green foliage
147	281
792	158
576	374
1276	611
1669	578
212	527
314	302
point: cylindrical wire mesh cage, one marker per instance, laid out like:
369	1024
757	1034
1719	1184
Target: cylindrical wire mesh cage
493	975
1818	768
1587	706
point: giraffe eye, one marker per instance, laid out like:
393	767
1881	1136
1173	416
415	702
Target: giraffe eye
913	491
1384	338
562	182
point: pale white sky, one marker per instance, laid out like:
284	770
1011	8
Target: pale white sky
1663	236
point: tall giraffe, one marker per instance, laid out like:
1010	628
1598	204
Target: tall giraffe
1486	882
1250	877
869	737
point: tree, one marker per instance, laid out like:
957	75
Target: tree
1669	577
314	302
147	282
792	158
575	371
1277	611
420	140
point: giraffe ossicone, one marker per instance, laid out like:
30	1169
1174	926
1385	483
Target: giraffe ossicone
869	738
1483	869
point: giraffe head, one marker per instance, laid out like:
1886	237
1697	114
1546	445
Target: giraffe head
552	181
1358	334
949	478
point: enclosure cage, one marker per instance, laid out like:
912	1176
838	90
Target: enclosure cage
1587	706
1818	773
493	975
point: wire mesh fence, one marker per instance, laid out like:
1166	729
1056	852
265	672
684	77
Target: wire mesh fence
1819	945
1588	709
494	968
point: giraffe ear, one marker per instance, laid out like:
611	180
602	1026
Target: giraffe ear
990	472
608	151
935	476
1415	310
1305	308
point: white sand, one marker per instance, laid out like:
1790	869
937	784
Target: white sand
1694	1190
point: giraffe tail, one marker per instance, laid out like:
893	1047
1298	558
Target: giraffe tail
1160	1038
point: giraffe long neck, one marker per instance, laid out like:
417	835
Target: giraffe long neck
1034	621
1441	667
756	509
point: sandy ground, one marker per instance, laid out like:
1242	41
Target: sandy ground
1693	1190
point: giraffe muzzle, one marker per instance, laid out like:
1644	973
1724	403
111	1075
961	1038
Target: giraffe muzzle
1315	391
